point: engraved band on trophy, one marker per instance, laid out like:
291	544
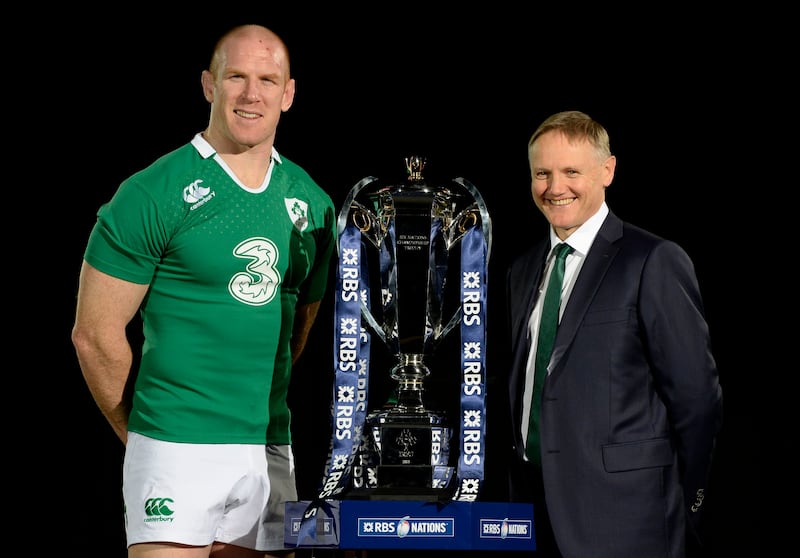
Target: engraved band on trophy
414	255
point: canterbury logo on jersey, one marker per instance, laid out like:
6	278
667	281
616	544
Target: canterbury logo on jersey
196	194
298	212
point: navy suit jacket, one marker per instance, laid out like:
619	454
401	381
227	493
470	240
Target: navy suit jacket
632	405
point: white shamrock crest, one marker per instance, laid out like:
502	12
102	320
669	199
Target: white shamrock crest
298	212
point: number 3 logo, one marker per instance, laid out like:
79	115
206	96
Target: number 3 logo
259	283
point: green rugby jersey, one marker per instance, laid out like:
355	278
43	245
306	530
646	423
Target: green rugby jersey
226	266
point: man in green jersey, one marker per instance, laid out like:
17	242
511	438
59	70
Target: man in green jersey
224	248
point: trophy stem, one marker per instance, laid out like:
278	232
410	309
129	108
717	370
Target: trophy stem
410	373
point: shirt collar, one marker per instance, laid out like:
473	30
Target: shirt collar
205	150
581	240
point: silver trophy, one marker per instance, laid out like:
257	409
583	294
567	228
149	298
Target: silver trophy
416	284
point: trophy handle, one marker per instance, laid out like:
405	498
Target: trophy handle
370	225
453	232
373	229
480	206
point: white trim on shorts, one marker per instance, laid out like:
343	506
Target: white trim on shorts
196	494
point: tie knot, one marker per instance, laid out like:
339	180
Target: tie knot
562	250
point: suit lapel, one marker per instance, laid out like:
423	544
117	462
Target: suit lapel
526	284
599	259
523	284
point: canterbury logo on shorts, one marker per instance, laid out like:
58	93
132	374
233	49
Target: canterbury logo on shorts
157	509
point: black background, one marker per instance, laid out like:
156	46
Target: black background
465	89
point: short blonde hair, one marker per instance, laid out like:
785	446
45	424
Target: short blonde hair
576	126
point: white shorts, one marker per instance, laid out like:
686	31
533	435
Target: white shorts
196	494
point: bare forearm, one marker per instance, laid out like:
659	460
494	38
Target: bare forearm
105	307
106	370
106	366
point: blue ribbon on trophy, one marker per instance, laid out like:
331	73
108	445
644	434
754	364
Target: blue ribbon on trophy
373	218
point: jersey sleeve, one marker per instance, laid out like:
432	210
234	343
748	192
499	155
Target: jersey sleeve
125	242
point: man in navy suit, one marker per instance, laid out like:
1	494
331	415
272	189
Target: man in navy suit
631	404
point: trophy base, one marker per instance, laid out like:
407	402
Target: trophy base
407	482
405	457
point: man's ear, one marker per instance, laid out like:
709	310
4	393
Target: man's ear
609	167
207	81
288	95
